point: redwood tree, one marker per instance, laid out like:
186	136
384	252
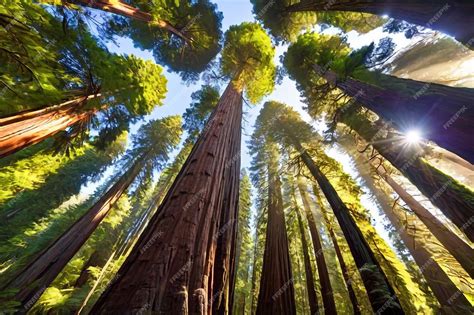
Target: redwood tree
184	35
326	289
181	270
290	130
310	288
320	63
337	249
417	241
452	198
452	17
277	295
131	82
151	147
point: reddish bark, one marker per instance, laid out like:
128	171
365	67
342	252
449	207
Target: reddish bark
39	274
381	294
123	9
225	263
312	298
337	249
326	288
175	274
277	294
453	17
24	129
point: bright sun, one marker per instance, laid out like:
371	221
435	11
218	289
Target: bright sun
413	136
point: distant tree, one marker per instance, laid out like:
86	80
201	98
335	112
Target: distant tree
417	240
423	175
277	295
36	201
326	288
305	247
205	194
356	306
290	130
242	292
150	151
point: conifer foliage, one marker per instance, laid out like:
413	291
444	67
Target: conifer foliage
125	188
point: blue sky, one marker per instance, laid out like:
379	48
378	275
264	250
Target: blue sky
179	94
235	12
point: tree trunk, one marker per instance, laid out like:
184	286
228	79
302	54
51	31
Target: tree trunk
340	258
454	200
175	274
40	273
277	294
443	114
453	17
381	295
28	128
440	283
463	253
326	288
123	9
225	262
253	291
96	259
91	292
312	298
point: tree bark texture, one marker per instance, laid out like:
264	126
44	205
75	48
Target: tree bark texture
381	295
326	288
337	249
25	129
312	297
171	269
277	294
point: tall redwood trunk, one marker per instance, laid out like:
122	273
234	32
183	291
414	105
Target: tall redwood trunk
381	294
460	250
443	114
453	17
326	288
123	9
455	201
175	274
39	274
312	298
337	249
440	283
24	129
253	290
277	294
225	262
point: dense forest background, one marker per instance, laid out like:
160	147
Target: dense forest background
247	157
